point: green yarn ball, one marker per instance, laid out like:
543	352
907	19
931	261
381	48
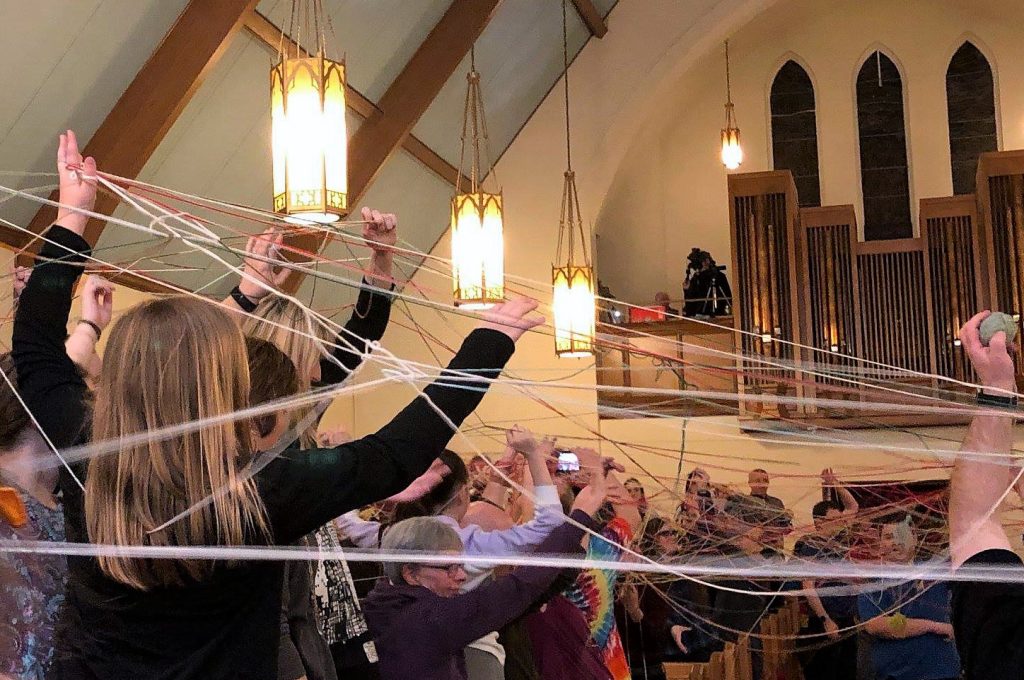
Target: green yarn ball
996	322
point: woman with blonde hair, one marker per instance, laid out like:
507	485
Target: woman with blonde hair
293	330
177	361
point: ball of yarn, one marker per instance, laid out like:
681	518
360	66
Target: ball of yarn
996	322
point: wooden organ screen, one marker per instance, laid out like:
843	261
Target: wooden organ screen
1000	202
763	211
895	305
802	276
830	316
949	227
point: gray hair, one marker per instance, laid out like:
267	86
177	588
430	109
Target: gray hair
418	534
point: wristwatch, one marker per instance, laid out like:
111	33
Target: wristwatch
244	302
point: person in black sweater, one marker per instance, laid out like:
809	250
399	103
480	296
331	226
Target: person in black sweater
288	325
174	361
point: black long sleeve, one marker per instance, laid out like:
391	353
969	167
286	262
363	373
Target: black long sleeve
367	324
50	383
303	490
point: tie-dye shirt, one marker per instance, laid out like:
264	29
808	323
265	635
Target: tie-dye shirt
31	594
594	593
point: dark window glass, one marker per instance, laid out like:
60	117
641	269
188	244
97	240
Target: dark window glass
971	110
794	130
883	150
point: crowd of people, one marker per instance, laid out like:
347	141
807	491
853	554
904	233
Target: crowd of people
165	465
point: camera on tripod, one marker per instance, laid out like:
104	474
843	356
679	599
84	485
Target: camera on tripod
707	290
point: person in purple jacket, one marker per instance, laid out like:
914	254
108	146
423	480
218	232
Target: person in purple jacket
419	620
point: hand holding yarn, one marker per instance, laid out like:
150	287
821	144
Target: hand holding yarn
77	184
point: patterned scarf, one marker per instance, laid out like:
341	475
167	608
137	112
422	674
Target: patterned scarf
339	616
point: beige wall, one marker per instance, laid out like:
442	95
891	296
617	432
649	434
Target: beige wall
647	40
669	192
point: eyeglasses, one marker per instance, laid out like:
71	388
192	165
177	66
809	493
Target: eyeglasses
451	569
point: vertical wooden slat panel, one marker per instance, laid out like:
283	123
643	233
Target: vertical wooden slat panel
763	248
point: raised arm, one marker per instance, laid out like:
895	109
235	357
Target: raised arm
625	507
304	491
260	275
850	505
50	384
372	312
492	605
979	482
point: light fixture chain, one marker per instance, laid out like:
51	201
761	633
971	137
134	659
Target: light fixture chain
728	78
565	78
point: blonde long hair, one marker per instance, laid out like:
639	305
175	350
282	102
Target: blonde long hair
290	328
177	360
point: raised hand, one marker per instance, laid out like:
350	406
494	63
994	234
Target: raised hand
262	251
77	184
677	637
97	301
593	462
523	441
380	230
513	318
828	478
423	484
992	363
592	496
20	276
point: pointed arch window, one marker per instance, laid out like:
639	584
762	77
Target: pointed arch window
795	130
884	174
971	111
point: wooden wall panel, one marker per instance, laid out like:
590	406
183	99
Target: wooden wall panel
1007	205
1000	183
830	313
949	227
763	211
896	317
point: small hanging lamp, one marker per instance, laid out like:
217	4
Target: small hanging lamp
308	132
477	221
732	152
573	303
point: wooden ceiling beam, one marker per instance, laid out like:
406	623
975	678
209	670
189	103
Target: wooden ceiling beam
591	17
151	104
272	36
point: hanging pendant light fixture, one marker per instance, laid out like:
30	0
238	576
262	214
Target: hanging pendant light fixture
732	152
477	221
573	302
308	132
